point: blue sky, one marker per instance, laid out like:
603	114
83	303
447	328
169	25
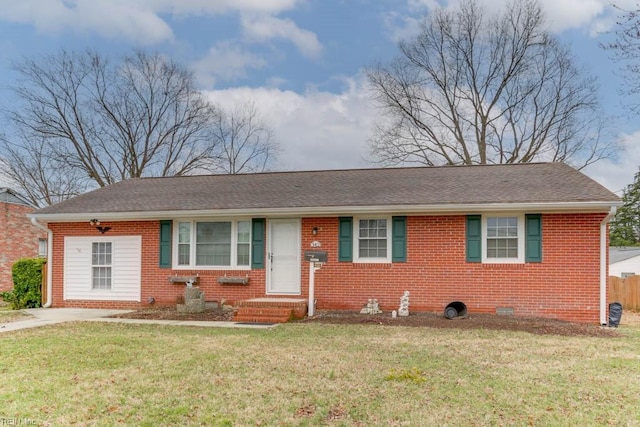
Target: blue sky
301	61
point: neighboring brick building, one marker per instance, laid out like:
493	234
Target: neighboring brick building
19	238
527	239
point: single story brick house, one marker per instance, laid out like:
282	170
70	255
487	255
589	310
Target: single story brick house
526	239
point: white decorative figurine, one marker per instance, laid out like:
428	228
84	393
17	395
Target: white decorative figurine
372	307
403	311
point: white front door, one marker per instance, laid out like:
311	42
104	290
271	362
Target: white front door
284	257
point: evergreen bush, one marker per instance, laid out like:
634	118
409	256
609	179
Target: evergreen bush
27	280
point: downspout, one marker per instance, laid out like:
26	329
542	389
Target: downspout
35	222
604	249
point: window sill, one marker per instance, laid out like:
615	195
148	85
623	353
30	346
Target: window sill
211	268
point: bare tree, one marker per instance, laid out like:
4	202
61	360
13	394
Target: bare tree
83	122
625	50
472	88
42	178
246	142
115	121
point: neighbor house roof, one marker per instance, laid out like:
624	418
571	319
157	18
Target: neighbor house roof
446	188
8	195
619	253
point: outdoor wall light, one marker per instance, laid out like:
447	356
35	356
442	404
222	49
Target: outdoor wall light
314	231
96	224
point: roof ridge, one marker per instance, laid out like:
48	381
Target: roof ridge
357	169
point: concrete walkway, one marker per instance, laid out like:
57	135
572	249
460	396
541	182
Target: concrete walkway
50	316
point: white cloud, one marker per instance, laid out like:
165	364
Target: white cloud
139	21
596	16
111	19
211	7
568	14
316	130
225	62
264	28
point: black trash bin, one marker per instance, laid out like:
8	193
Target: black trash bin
615	314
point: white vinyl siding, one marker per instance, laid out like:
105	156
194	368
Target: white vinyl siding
79	273
625	267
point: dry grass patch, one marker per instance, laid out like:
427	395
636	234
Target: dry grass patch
8	315
310	374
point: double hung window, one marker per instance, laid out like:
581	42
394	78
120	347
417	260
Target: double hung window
101	258
372	241
502	237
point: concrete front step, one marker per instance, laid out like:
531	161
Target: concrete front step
269	310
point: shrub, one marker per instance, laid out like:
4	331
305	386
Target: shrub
27	279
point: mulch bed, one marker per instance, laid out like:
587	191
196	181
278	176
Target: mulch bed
170	313
537	326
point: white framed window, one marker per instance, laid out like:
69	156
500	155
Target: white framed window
503	238
372	239
212	244
101	257
42	248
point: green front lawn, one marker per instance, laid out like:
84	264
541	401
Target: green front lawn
310	374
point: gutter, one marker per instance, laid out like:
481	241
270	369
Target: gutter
604	249
443	209
49	301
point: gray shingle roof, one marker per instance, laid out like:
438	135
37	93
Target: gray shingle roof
617	254
8	195
405	187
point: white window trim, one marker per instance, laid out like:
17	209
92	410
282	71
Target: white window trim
192	245
356	240
102	290
521	239
42	248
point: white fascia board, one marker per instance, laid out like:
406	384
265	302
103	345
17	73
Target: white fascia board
445	209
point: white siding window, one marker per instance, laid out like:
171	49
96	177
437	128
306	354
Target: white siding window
101	257
102	268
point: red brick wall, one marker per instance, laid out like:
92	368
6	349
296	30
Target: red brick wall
564	286
18	239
